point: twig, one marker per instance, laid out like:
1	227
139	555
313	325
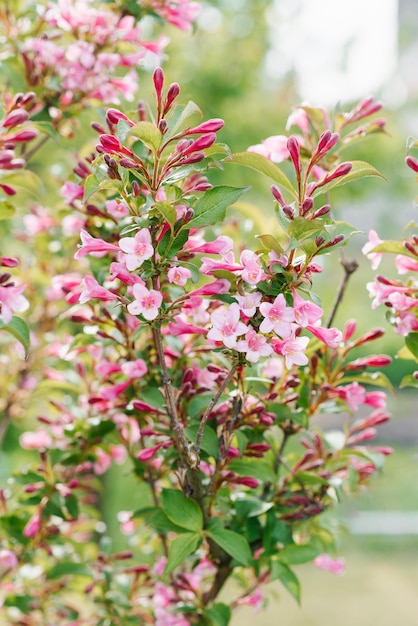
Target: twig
349	268
210	407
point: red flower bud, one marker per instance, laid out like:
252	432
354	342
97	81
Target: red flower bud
18	116
211	126
158	78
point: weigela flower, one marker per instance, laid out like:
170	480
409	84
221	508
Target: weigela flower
227	326
146	303
137	249
12	301
277	317
254	345
374	257
292	349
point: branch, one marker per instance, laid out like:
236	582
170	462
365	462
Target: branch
349	268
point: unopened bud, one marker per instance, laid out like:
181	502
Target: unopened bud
211	126
18	116
128	163
113	116
172	93
136	189
205	141
142	111
24	135
306	206
277	195
288	211
162	126
158	78
412	163
324	210
294	151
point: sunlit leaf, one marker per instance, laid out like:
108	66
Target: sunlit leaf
148	134
234	544
393	247
360	169
211	208
182	511
7	210
19	329
180	548
263	165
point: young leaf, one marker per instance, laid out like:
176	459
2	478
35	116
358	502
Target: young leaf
67	569
180	548
182	511
411	341
211	208
297	554
148	134
167	211
258	468
281	571
219	614
7	210
360	169
299	228
19	329
263	165
270	243
234	544
393	247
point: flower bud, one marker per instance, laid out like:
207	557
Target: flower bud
277	195
158	78
26	134
172	93
114	115
18	116
211	126
294	151
412	163
201	143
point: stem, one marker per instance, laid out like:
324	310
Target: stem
210	407
349	268
27	155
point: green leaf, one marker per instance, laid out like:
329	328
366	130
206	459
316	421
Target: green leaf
408	381
7	210
360	169
411	341
24	603
20	331
93	183
370	378
209	442
270	243
219	614
393	247
148	134
211	208
167	211
234	544
180	548
182	511
263	165
156	518
182	114
299	228
247	506
297	554
67	569
281	571
26	180
258	468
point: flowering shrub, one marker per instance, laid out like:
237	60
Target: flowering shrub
161	345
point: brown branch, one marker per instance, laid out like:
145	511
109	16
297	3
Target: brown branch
349	268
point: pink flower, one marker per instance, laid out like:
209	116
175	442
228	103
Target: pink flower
35	440
146	303
299	118
95	247
7	558
248	303
292	350
254	599
325	562
221	245
116	209
252	271
353	394
331	337
306	312
254	346
92	289
33	525
71	191
273	148
226	326
274	368
278	317
127	524
12	301
374	257
178	275
137	249
405	264
134	369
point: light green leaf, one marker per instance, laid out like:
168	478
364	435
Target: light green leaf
7	210
93	184
182	511
299	228
281	571
180	548
156	518
257	468
411	341
20	331
219	614
393	247
211	208
209	442
182	114
234	544
263	165
360	169
249	506
148	134
270	243
370	378
167	211
408	381
26	180
297	554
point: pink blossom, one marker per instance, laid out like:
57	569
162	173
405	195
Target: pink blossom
137	249
146	303
254	346
134	369
37	440
178	275
94	246
102	463
227	326
331	337
376	399
221	285
375	257
254	599
405	323
221	245
273	368
127	524
306	312
325	562
116	209
7	558
92	289
12	301
33	525
227	263
248	303
405	264
299	118
381	291
180	327
292	349
277	317
180	13
252	271
273	148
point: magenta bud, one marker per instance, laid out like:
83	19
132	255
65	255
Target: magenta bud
188	375
129	163
109	142
6	261
18	116
194	158
136	189
158	78
201	143
114	115
294	151
324	210
173	92
306	206
9	191
288	212
98	128
24	135
341	170
211	126
162	126
412	163
277	195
